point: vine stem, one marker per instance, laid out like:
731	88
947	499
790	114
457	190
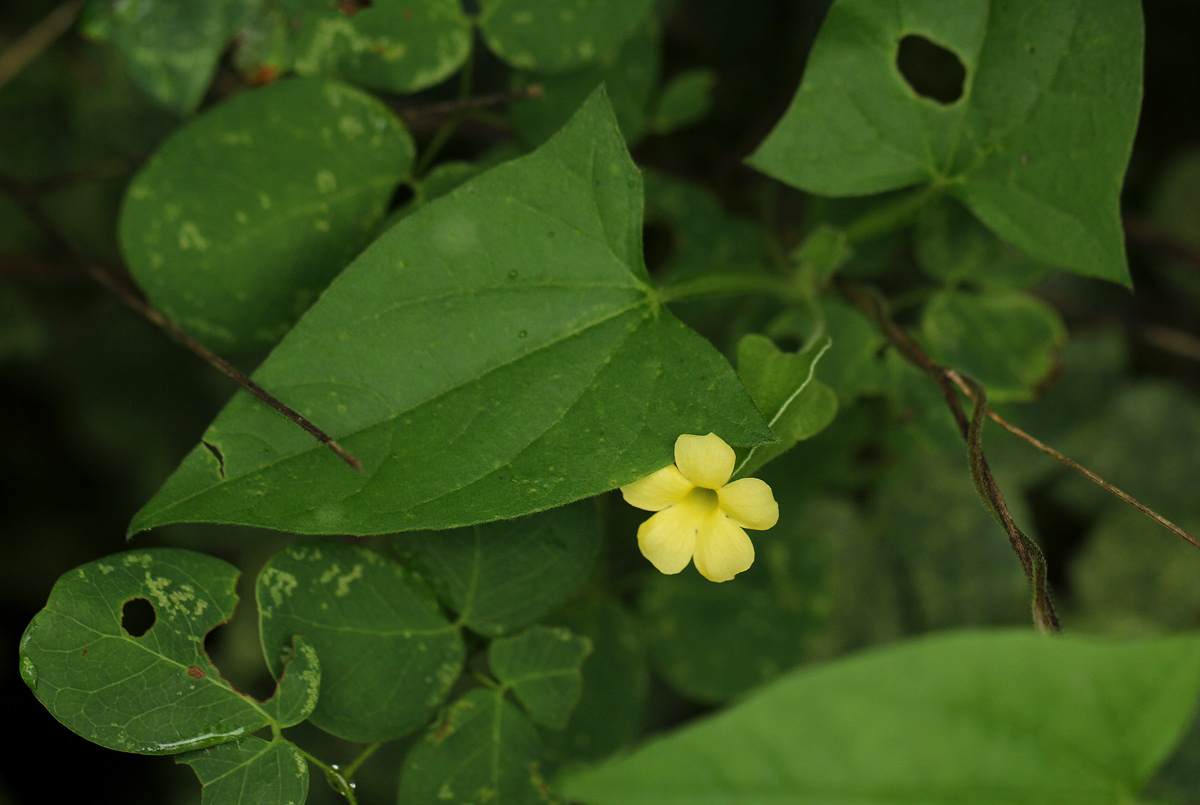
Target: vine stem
471	104
134	301
30	44
443	134
969	391
971	429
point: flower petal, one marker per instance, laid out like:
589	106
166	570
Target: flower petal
668	538
658	490
722	548
749	503
704	460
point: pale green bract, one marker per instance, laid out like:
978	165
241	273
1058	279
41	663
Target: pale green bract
496	353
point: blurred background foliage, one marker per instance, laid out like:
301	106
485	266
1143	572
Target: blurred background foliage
881	532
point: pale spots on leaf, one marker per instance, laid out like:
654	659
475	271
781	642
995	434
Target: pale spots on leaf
523	17
278	584
321	225
351	126
172	212
235	138
264	201
105	569
190	238
140	192
241	217
140	559
326	181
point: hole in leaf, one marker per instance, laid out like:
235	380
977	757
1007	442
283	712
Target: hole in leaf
931	70
137	616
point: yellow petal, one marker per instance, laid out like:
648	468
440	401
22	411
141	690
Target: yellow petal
722	548
704	460
749	503
658	490
667	538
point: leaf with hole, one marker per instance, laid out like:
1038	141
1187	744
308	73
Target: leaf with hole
158	693
244	214
784	386
496	353
389	656
399	46
991	718
1036	145
561	36
502	576
250	771
541	667
483	750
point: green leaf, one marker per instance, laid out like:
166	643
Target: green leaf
784	386
953	247
629	76
502	576
558	37
397	46
244	215
388	654
1044	79
990	718
824	251
615	679
171	48
1009	341
713	642
541	667
685	99
483	751
158	693
506	330
250	772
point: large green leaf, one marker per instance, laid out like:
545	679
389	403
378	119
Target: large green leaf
171	48
990	718
246	213
556	37
389	656
156	693
502	576
250	772
541	667
482	751
496	353
1036	146
390	45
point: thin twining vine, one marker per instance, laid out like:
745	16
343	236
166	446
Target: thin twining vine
950	382
971	430
29	202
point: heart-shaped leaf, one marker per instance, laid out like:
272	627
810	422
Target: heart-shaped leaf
541	666
496	353
1044	79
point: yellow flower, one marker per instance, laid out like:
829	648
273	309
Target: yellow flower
701	515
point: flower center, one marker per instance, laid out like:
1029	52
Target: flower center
702	500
